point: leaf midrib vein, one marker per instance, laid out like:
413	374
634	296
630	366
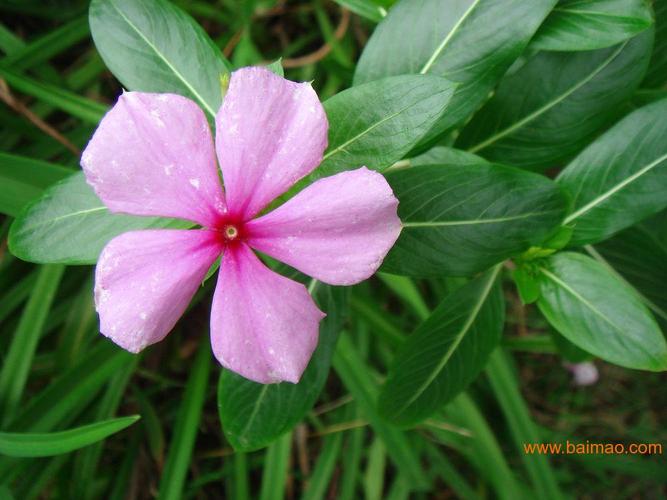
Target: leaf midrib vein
363	132
472	221
429	64
607	194
454	345
576	294
165	60
548	105
67	216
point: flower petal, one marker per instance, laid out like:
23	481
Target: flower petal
263	325
145	280
338	229
270	133
153	154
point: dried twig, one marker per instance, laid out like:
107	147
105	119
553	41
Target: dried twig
324	50
8	98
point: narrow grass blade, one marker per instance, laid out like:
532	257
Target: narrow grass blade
375	466
83	480
355	375
185	430
276	461
324	467
80	107
49	45
57	443
16	368
506	390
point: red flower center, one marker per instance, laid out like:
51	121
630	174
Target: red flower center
230	230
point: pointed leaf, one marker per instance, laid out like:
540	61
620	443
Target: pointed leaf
639	255
70	225
656	76
153	46
471	42
551	107
446	352
592	24
57	443
621	178
598	312
462	219
376	124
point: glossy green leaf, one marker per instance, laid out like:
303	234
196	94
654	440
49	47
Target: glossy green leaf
446	352
596	311
24	179
459	220
592	24
526	284
621	178
377	123
441	155
471	42
252	414
656	76
550	108
153	46
57	443
70	225
639	255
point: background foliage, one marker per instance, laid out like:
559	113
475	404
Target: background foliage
527	144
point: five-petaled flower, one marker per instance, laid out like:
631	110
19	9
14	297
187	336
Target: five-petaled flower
153	155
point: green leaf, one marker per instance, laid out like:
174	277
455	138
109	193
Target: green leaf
58	443
153	46
656	76
252	414
471	42
277	67
621	178
377	123
70	225
592	24
550	108
600	313
446	353
441	155
459	220
526	284
184	435
24	179
365	8
639	255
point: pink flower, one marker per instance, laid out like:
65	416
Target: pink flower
153	155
